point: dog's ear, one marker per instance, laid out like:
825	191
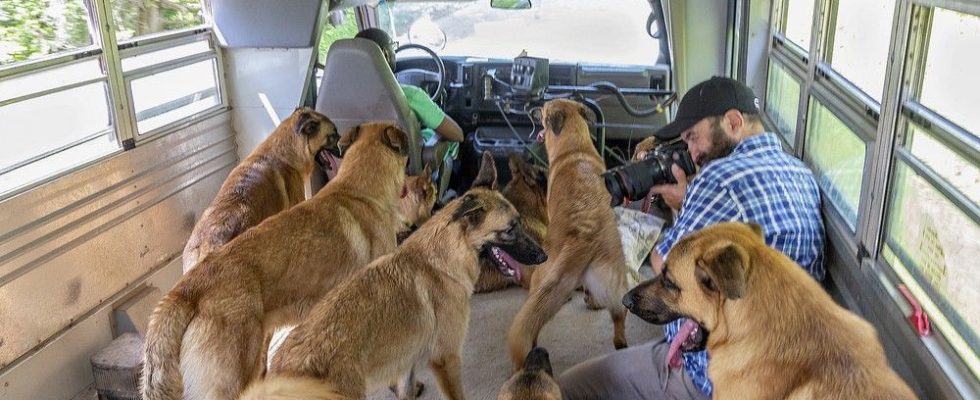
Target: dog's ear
396	139
470	210
427	172
307	124
587	113
487	177
349	137
555	121
757	229
723	268
541	175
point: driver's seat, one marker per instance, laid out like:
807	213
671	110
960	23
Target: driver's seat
358	86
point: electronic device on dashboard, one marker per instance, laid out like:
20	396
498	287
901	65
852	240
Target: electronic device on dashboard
529	78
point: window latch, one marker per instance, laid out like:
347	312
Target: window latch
918	318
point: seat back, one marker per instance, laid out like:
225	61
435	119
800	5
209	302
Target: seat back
358	86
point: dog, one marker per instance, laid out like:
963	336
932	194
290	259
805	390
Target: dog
417	199
534	382
771	330
527	191
582	241
268	181
206	334
407	307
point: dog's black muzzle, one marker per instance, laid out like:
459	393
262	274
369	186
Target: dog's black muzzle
642	302
523	249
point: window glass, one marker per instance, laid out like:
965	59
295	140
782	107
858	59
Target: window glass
783	100
49	78
31	29
956	170
935	247
168	96
837	155
799	22
136	18
949	86
43	127
167	54
345	29
616	32
861	37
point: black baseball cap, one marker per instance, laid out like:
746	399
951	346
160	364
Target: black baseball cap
713	97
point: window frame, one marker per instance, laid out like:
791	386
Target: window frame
109	53
882	126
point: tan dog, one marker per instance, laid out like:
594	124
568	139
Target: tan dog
205	338
266	182
771	330
417	199
582	242
527	191
407	307
533	382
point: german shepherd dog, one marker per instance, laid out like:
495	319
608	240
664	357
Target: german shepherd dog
417	199
582	241
771	330
405	308
527	191
535	381
268	181
205	338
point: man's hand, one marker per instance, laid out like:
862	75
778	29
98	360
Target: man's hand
673	194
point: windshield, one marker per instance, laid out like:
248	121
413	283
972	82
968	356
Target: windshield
600	32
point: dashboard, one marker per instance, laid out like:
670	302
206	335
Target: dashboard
479	92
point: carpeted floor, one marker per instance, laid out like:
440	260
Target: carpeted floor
574	335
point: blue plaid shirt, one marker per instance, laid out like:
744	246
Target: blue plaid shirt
757	182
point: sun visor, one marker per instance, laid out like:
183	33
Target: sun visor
263	23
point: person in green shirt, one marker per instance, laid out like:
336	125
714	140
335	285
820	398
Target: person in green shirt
436	124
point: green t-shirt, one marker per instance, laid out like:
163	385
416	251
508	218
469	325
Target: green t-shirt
429	113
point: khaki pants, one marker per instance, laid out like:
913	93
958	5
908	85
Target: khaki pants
638	372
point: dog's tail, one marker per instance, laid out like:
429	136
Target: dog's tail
161	379
292	388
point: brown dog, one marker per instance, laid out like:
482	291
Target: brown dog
582	241
771	330
533	382
205	338
527	191
407	307
266	182
417	199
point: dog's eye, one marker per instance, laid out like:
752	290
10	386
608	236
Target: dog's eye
508	234
669	284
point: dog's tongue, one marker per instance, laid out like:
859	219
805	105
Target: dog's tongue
513	264
674	353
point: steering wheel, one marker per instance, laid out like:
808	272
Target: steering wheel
441	68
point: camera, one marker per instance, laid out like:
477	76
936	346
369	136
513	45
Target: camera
635	179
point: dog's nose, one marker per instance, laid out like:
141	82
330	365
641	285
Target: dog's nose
541	257
629	300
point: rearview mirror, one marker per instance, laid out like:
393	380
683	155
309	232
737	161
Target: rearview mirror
511	4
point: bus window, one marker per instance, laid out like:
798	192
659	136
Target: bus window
860	43
64	102
783	101
136	18
798	21
954	41
932	237
57	114
837	155
34	31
